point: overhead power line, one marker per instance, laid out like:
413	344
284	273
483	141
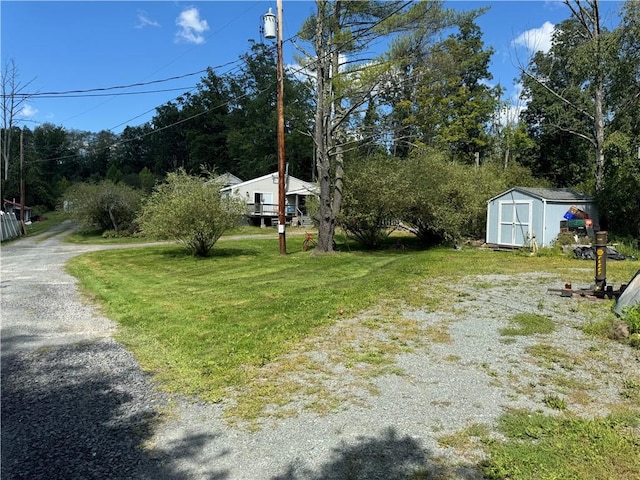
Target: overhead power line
104	89
115	94
238	61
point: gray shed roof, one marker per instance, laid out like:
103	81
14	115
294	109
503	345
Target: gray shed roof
552	194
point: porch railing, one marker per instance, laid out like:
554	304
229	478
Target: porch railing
272	209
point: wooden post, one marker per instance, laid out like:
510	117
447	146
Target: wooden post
22	193
281	160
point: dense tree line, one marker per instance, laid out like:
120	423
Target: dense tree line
227	124
583	113
425	107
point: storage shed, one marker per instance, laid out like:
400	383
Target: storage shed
517	215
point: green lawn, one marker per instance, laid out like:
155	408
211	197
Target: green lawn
204	325
541	447
197	322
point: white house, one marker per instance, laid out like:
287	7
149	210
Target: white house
261	195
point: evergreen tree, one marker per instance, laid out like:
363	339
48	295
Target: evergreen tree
454	100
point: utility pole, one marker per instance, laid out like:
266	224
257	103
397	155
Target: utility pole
269	23
22	194
281	163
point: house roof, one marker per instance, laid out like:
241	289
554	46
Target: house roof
228	179
307	188
551	194
304	191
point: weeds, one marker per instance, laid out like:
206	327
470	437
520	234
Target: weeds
631	316
555	402
468	439
529	324
539	446
549	355
630	390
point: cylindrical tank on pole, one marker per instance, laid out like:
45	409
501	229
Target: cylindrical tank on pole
601	261
269	25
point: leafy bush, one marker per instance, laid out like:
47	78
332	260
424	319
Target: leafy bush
190	210
105	205
631	316
619	198
37	211
446	201
371	202
439	200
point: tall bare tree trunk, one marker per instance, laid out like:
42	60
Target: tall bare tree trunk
598	99
589	18
13	99
599	139
325	143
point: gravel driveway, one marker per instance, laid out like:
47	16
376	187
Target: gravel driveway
75	404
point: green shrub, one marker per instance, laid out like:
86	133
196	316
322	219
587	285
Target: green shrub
371	202
189	209
631	316
105	205
446	201
38	211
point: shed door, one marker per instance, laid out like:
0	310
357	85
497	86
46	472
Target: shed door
515	223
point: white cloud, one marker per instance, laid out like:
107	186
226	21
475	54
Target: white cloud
191	26
518	87
28	111
305	70
145	21
302	73
509	114
536	39
486	82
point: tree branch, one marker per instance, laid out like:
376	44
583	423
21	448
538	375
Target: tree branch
558	96
589	139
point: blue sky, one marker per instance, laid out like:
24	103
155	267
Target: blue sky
80	45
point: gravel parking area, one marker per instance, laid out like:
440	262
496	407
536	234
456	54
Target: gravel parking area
75	404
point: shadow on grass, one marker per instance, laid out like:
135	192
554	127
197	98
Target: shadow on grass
180	252
83	412
226	252
385	457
